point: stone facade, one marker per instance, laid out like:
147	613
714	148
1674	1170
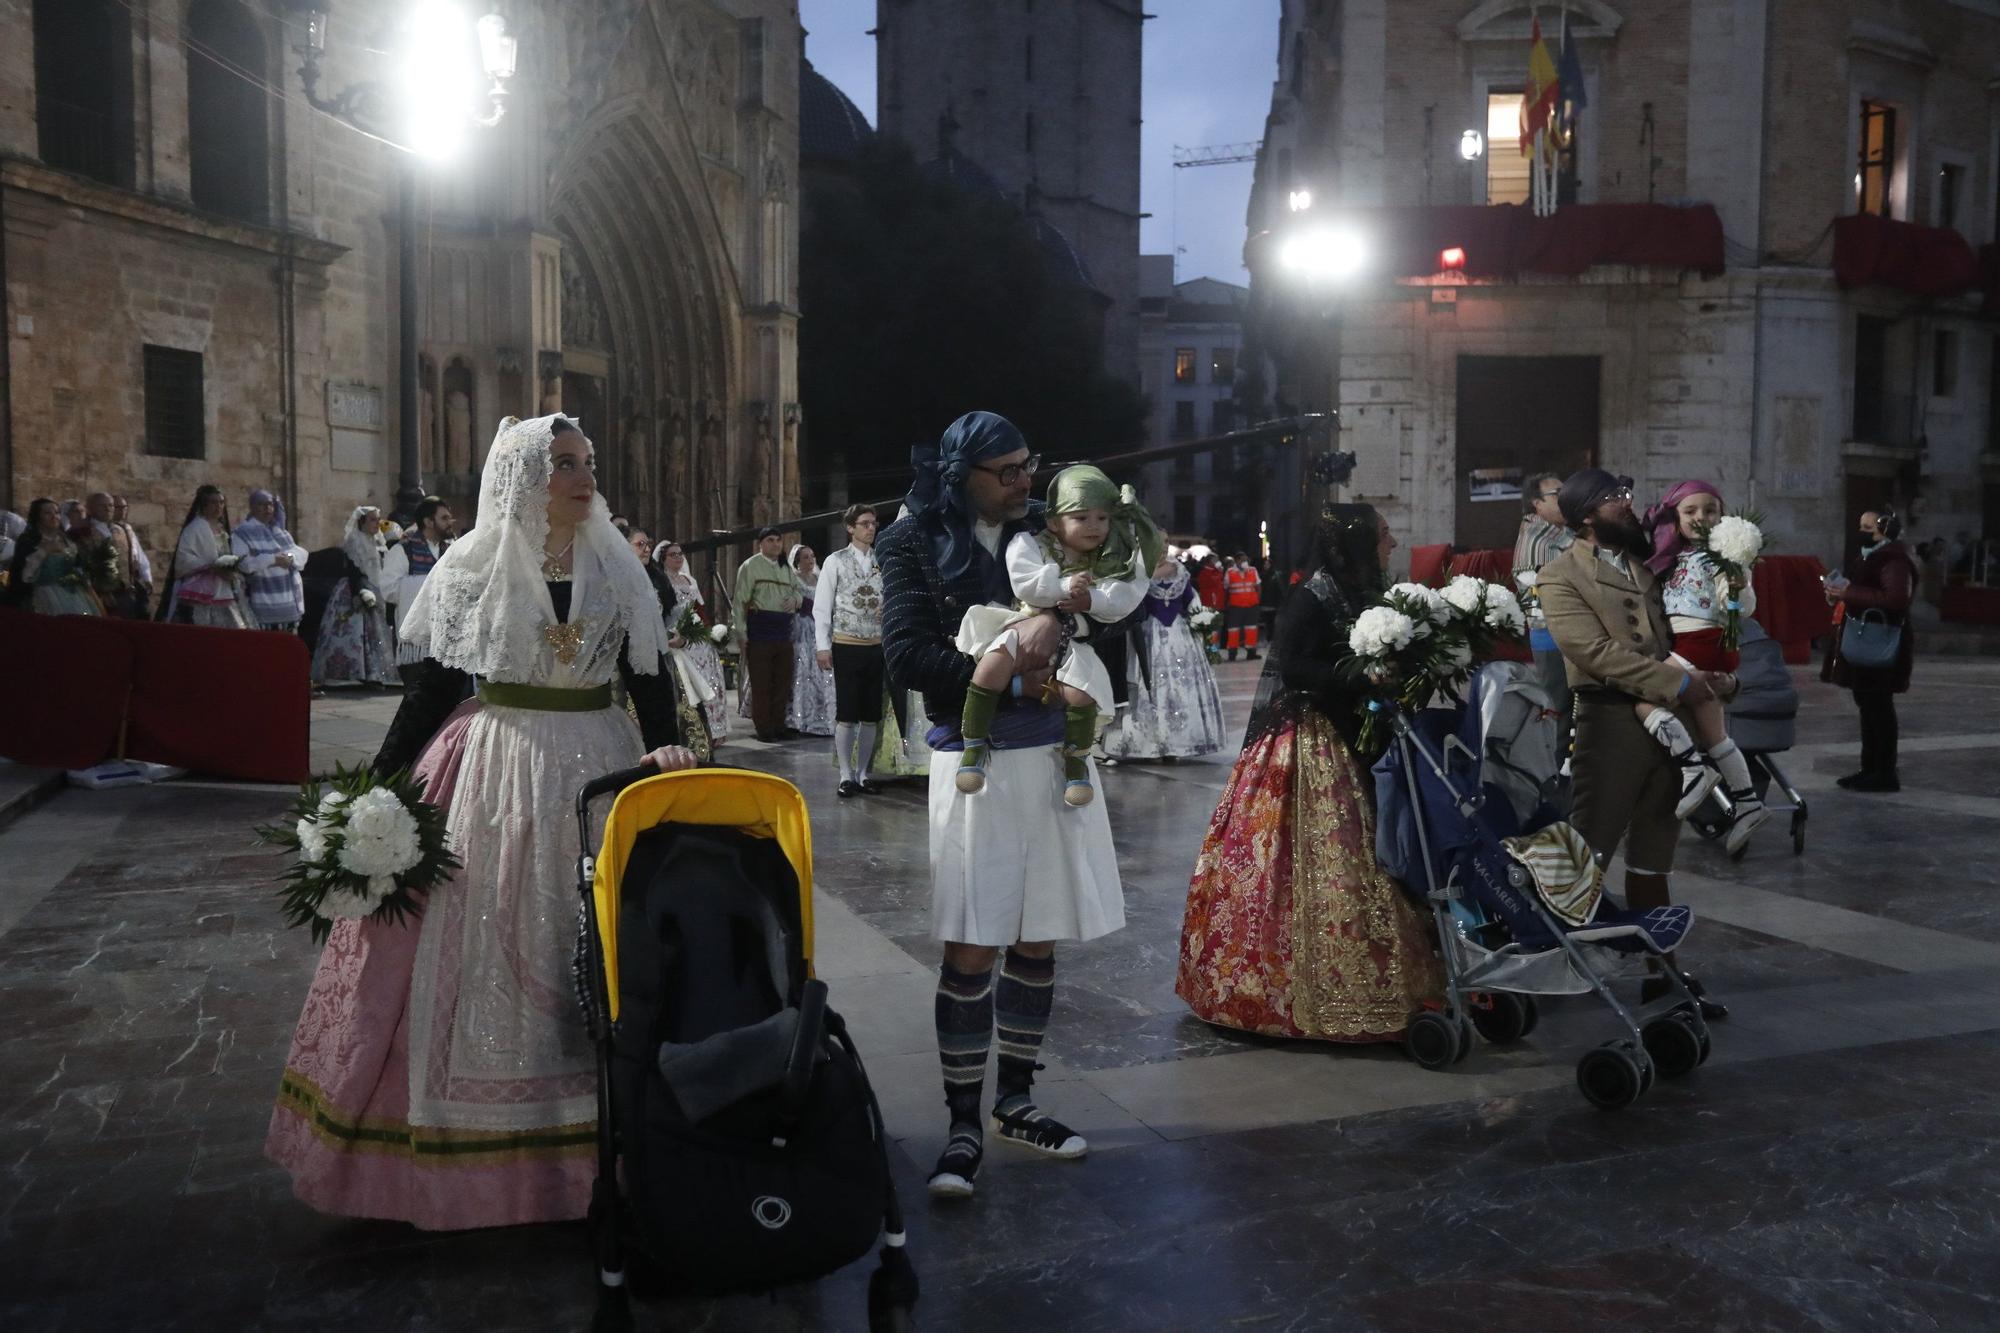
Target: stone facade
1190	334
1046	99
1768	378
622	245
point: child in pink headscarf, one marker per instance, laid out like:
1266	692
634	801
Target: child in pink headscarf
1697	604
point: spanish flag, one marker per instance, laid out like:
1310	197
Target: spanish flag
1538	103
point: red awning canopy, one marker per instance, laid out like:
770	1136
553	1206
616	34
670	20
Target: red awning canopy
1503	240
1870	251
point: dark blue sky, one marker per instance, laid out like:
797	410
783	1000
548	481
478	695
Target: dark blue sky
1209	68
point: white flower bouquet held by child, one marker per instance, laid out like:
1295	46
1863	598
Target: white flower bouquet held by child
366	848
1730	547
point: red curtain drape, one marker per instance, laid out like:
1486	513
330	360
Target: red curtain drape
1882	252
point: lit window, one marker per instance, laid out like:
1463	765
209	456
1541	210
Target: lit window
1507	174
1874	176
1184	365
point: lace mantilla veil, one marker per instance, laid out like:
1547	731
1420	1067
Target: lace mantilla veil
360	547
481	610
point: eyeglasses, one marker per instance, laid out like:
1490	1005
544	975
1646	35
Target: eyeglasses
1013	472
1547	495
1623	493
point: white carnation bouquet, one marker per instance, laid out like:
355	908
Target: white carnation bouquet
1203	619
365	847
1417	642
1730	547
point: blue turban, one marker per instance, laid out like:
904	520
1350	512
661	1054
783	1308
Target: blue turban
937	492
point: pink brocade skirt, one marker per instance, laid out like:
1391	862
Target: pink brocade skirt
341	1126
1292	928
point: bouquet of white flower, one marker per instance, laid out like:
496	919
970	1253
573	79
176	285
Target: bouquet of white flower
366	848
1419	642
1730	547
719	634
1203	619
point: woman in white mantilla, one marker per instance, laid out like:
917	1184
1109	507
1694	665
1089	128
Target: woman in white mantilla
354	643
441	1073
1175	710
703	657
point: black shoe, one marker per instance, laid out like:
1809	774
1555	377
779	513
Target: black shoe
869	788
1876	782
1250	657
1035	1129
1851	779
850	788
1713	1010
958	1165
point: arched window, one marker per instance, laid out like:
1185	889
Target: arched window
83	87
228	136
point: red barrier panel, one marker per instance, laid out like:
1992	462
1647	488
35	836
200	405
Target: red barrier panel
230	702
1427	564
63	684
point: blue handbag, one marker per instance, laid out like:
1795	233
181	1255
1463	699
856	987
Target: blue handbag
1870	642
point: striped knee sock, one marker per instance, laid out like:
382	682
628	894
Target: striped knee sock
964	1035
1022	1000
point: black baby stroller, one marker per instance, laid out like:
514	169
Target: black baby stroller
1517	898
1763	720
751	1146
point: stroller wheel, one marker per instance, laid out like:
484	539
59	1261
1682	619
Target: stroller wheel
1798	833
1504	1018
1675	1046
1533	1013
1432	1040
1611	1076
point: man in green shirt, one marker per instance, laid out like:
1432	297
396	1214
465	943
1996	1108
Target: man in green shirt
767	601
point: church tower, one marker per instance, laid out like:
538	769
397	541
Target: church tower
1043	94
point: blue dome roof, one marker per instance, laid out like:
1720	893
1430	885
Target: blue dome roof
831	127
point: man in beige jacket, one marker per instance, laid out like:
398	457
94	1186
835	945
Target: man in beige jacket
1603	609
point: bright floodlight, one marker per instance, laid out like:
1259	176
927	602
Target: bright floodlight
1301	200
1332	253
440	80
1471	145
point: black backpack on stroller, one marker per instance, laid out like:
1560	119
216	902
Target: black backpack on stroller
752	1149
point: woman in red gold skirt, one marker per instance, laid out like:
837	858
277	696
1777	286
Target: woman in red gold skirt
1292	929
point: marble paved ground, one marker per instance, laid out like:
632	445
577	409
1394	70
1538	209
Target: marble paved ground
1834	1166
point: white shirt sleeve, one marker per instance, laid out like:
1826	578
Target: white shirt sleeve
1114	599
823	600
395	568
142	568
1036	579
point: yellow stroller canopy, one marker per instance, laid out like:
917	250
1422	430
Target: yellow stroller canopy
754	803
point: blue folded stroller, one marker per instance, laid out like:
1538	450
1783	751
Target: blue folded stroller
1517	895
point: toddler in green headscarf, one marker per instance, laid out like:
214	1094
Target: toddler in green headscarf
1095	560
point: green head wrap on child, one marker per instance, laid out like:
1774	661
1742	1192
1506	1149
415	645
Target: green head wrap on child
1132	528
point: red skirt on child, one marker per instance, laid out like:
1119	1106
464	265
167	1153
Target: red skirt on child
1702	649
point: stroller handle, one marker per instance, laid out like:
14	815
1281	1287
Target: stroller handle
612	782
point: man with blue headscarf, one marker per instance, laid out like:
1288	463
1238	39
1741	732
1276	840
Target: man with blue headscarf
1017	869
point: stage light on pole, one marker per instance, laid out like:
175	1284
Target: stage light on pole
439	81
1451	257
1471	145
1333	253
1301	200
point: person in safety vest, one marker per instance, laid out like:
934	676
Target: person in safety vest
1240	589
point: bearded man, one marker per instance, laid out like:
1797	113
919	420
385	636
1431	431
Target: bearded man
1604	611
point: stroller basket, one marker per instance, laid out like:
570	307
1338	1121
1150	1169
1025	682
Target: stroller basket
740	1146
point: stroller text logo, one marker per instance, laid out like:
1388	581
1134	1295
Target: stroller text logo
770	1211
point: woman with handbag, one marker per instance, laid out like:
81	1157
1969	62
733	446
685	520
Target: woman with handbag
1872	644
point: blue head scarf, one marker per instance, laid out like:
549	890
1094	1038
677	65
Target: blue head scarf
937	497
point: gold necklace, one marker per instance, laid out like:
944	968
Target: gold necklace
554	570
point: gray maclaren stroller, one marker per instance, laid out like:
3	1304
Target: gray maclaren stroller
1763	721
1517	897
